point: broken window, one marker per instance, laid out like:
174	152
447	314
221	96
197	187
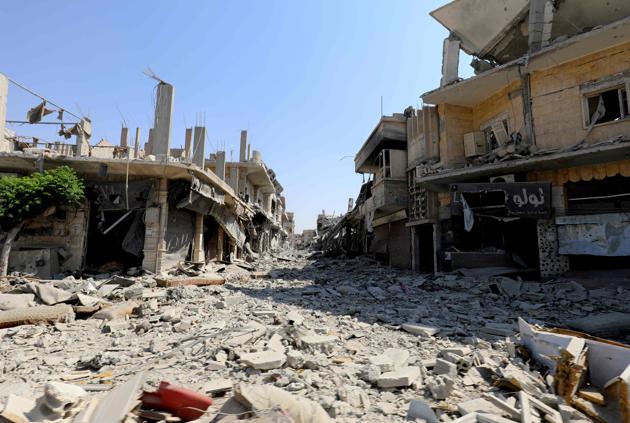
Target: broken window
385	163
606	106
496	133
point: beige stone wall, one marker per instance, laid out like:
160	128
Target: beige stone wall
557	99
455	121
507	101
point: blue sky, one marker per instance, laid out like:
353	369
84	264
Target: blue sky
304	77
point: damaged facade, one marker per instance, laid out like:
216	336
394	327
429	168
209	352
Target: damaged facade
150	208
532	167
523	166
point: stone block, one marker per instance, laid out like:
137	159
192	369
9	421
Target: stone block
265	360
419	329
443	367
402	377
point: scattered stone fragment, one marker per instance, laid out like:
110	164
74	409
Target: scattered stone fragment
218	386
323	343
443	367
420	409
402	377
265	360
419	329
440	386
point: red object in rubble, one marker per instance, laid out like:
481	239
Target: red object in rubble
186	404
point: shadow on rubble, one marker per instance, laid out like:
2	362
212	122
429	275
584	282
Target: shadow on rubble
373	293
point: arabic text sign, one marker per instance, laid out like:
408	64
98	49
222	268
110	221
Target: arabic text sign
523	199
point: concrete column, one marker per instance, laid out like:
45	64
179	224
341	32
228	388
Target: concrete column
450	60
198	255
161	140
4	94
124	134
220	241
155	220
220	167
136	144
540	24
243	150
83	139
199	142
188	144
437	246
234	179
148	147
414	249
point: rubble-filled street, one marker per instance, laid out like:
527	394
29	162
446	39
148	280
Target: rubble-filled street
364	342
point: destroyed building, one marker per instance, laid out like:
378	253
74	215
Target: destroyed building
257	186
146	208
526	164
523	166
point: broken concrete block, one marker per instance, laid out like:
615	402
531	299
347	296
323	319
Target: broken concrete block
400	357
295	359
605	325
419	329
171	314
371	373
264	312
443	367
499	329
118	311
402	377
323	343
460	351
295	318
510	287
61	398
420	409
384	363
265	397
440	386
265	360
377	292
13	301
113	326
183	326
478	405
218	386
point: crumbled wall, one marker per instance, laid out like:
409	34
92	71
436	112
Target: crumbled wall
68	232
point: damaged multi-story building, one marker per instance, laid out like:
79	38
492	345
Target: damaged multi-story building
526	164
150	207
257	186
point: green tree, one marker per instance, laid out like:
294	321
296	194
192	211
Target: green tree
25	198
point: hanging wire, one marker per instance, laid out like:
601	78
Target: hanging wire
17	84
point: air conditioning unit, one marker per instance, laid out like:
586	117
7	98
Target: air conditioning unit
502	178
475	144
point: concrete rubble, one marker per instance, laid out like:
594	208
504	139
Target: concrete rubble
438	348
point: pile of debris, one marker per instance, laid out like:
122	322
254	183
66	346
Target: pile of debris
299	340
